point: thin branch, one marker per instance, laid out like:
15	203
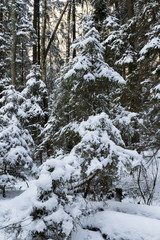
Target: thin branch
139	185
12	225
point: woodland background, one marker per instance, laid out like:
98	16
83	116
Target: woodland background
79	105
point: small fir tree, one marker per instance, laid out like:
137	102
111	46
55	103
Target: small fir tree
85	171
16	144
35	105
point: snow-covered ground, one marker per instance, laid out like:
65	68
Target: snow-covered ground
125	222
115	220
118	226
15	206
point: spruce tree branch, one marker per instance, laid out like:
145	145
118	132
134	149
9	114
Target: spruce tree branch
85	181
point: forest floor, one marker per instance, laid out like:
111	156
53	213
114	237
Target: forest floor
121	221
111	219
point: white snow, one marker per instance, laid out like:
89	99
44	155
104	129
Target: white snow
156	91
154	43
13	210
126	59
127	119
84	234
135	209
121	221
118	226
111	22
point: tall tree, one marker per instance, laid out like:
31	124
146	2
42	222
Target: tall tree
24	40
4	47
14	42
21	38
130	8
68	40
36	26
74	23
43	39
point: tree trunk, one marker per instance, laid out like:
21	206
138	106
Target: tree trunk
68	42
117	8
36	26
130	8
1	14
43	39
1	41
74	23
14	42
3	192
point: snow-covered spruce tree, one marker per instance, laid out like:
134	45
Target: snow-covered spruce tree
25	38
126	42
88	154
69	177
86	86
135	46
16	144
139	62
4	46
21	38
149	70
129	124
149	73
87	78
36	103
122	54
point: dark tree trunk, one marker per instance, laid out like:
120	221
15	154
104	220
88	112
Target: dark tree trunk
38	34
3	192
43	39
130	8
74	23
117	8
36	25
68	42
14	42
119	194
